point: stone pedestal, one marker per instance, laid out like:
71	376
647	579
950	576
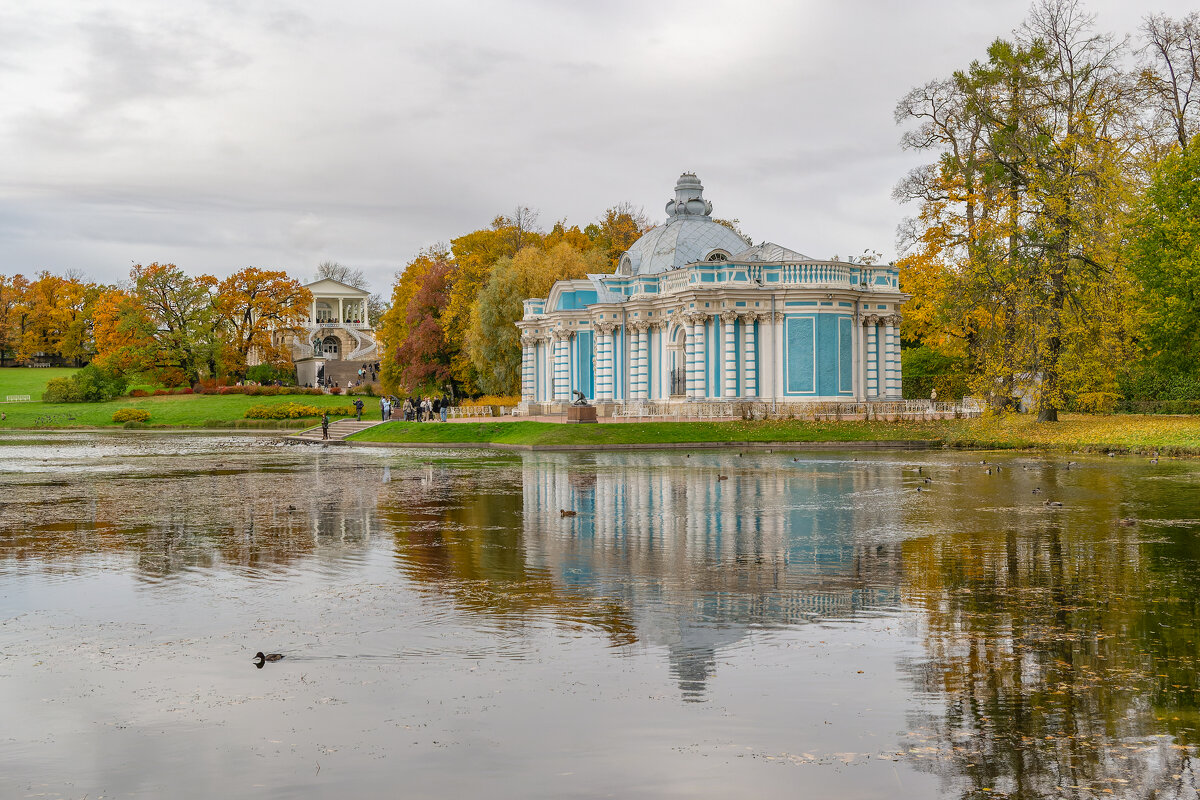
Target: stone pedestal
581	413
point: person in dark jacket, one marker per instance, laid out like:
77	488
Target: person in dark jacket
325	425
358	406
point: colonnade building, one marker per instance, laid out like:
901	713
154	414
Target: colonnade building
695	314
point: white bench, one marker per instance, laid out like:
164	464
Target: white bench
17	398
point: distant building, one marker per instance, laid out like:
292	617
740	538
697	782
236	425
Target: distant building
338	337
693	313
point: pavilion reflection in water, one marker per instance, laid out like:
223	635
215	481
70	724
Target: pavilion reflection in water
701	562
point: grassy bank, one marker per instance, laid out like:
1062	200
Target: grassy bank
172	410
1170	435
24	380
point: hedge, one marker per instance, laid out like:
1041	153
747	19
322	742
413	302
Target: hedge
295	411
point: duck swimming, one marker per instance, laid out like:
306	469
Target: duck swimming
261	658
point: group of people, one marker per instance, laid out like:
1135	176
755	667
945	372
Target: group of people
424	409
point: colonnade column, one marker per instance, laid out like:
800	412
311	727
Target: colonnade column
527	361
643	344
860	357
701	367
897	391
873	372
562	366
604	360
729	318
751	358
889	373
689	357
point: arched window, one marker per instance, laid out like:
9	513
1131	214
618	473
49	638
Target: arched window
330	346
718	255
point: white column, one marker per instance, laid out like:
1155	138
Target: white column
778	331
562	366
527	362
689	357
750	387
313	318
889	374
860	350
729	318
897	378
341	312
635	361
603	361
873	375
701	362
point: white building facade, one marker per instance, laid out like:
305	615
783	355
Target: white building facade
693	314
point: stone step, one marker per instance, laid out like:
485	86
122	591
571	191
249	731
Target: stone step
338	430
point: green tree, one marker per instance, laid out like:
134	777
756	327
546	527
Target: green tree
1164	254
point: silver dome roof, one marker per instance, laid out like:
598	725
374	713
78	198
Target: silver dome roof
689	234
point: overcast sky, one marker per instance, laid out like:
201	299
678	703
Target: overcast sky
224	134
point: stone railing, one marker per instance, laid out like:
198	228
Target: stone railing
821	274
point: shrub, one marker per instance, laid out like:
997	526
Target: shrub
172	377
269	373
491	400
61	390
335	390
139	393
294	411
231	390
89	385
130	415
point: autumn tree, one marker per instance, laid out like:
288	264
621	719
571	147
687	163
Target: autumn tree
616	229
423	360
494	341
393	328
13	313
186	325
257	310
58	317
125	335
1021	214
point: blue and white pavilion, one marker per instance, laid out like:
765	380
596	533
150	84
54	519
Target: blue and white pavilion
693	314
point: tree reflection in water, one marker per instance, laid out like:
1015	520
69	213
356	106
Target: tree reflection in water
660	553
1064	650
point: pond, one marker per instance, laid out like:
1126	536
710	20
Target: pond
696	624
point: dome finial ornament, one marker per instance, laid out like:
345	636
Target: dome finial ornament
689	198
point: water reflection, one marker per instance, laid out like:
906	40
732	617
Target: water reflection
701	558
1018	649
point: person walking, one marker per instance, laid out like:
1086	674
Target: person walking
325	425
358	407
383	408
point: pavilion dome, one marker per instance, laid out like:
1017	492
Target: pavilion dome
689	235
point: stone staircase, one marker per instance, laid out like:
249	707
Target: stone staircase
338	430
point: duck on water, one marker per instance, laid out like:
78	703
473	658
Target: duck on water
261	658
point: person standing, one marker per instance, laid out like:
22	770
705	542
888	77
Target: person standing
445	406
325	425
358	407
383	408
435	407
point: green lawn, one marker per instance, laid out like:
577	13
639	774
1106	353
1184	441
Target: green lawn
24	380
173	410
1170	435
